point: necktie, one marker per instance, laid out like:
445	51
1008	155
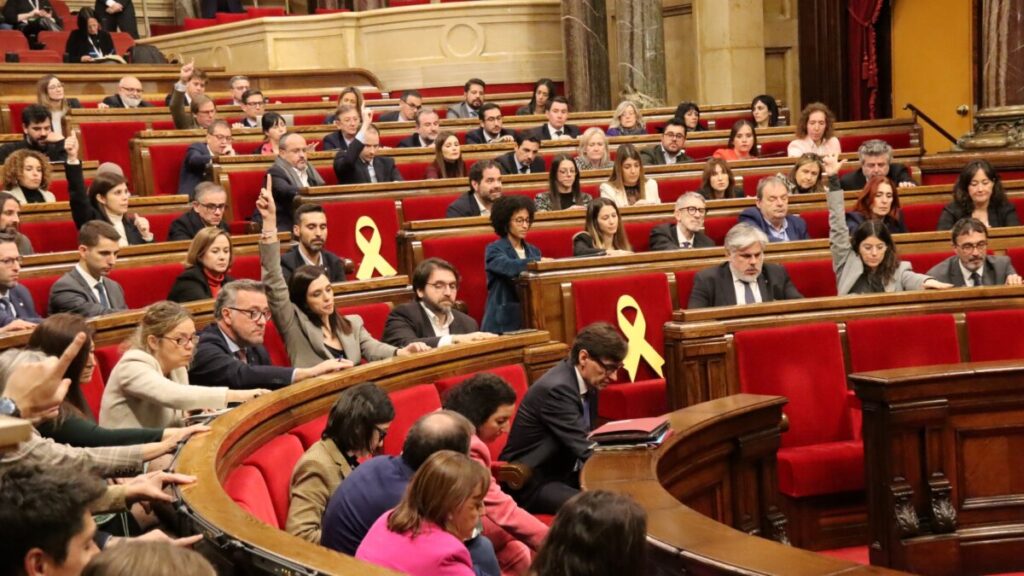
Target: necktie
975	279
8	306
586	411
558	133
102	291
685	244
242	356
523	169
748	293
372	172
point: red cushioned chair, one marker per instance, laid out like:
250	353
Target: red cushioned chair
15	107
416	208
516	377
852	142
109	142
39	288
670	189
165	162
414	170
374	316
93	392
123	42
41	57
1016	257
55	41
772	148
275	461
246	486
197	23
902	342
716	228
106	358
410	403
639	233
553	242
752	179
922	217
263	12
595	301
817	223
243	189
331	10
160	224
161	29
684	286
247	266
923	261
59	188
988	335
310	432
274	344
813	278
230	17
466	254
51	235
146	284
821	455
1018	205
344	216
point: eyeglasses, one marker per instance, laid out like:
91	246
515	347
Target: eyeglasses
254	315
521	221
694	211
966	247
257	104
222	137
132	90
436	285
214	207
11	261
609	367
675	135
182	341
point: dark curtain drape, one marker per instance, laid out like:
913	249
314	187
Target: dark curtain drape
863	55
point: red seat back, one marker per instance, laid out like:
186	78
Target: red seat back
106	358
310	432
345	240
247	266
55	41
410	404
109	142
275	461
262	12
374	316
553	242
59	188
123	42
165	162
684	286
197	23
716	228
1016	257
51	235
516	377
417	208
923	261
988	331
274	344
414	170
246	486
902	342
160	224
670	189
146	284
639	233
813	278
93	391
817	223
229	17
922	217
244	188
466	254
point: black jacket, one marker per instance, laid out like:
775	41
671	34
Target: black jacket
477	136
350	169
464	206
334	141
83	211
408	323
215	365
714	286
78	45
666	237
856	180
191	285
186	226
334	267
52	150
507	164
115	101
411	141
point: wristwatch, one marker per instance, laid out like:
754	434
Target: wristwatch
8	407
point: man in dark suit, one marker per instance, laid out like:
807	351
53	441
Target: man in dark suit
347	122
432	317
972	266
670	150
557	413
490	129
17	310
253	106
38	129
359	164
190	108
771	214
686	232
484	191
117	15
525	158
311	231
408	105
85	289
473	99
211	201
744	278
290	173
556	128
876	160
199	157
129	95
428	125
10	223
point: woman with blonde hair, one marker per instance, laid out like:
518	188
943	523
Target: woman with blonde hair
149	386
627	184
592	153
424	535
810	175
627	120
206	266
148	558
50	95
603	233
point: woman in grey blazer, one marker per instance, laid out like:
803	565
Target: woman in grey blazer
304	312
869	263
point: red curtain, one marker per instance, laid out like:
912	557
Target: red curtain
863	63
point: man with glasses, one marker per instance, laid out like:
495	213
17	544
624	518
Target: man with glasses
971	265
290	173
190	90
17	310
253	106
408	105
687	232
360	164
490	129
230	350
199	157
208	208
129	95
557	413
238	86
311	232
432	317
670	150
86	289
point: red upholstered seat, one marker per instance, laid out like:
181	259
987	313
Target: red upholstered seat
55	41
247	266
229	17
374	316
1018	205
59	188
106	358
274	344
41	57
344	216
310	432
684	286
262	12
146	284
901	342
123	42
417	208
414	170
275	461
466	253
669	189
922	217
39	287
700	152
246	486
160	224
108	142
13	41
771	148
166	161
817	223
16	107
410	403
596	301
51	235
989	335
923	261
244	188
553	242
821	452
161	29
197	23
850	142
93	392
639	233
1016	257
514	374
327	173
813	278
716	228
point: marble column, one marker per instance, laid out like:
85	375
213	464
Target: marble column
731	50
585	43
999	121
641	51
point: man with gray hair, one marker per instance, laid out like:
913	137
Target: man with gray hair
744	278
876	160
771	214
687	231
238	86
230	350
208	207
290	173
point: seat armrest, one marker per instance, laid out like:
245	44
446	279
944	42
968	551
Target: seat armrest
515	475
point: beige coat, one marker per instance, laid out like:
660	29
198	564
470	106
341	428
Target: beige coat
316	476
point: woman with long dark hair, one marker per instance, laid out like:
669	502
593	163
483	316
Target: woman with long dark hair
979	193
563	187
543	91
742	143
448	162
627	185
765	111
603	233
108	201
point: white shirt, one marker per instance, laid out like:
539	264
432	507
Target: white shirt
682	233
119	226
319	256
552	130
484	211
738	286
440	329
303	177
967	273
92	282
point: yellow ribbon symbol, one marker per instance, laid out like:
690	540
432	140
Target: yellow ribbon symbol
372	260
639	347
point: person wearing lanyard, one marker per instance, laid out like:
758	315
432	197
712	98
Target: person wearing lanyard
88	43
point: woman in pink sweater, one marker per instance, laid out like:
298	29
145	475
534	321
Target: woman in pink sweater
488	402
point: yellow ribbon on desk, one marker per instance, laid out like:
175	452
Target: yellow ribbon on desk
635	333
372	260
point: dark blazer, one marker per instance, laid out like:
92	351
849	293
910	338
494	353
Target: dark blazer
714	286
333	266
193	169
666	237
411	141
116	102
502	312
655	156
192	285
894	225
24	307
372	489
391	116
408	323
797	228
1000	215
52	150
286	187
78	45
477	136
83	211
549	433
856	181
543	133
350	169
186	226
334	141
508	165
70	293
993	272
215	365
583	245
463	207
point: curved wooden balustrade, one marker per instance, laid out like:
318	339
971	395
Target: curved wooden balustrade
709	490
210	457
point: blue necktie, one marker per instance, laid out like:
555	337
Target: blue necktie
748	293
102	291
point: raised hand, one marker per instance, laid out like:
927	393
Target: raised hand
265	203
186	71
38	388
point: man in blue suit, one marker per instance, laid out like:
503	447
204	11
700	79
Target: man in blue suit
17	310
199	157
771	215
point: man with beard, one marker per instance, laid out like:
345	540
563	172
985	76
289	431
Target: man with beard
17	310
432	318
311	231
129	95
470	107
290	173
39	136
428	124
484	191
972	266
10	223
